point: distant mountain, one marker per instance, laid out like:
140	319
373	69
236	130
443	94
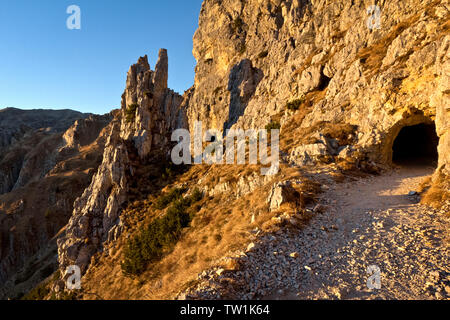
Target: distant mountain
15	123
47	159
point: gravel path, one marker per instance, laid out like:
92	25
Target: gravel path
369	222
374	222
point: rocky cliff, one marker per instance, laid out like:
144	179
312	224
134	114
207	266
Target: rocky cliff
140	133
256	56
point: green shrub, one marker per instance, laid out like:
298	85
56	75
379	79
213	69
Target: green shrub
196	196
167	174
294	105
273	125
170	170
38	293
130	112
160	236
48	213
164	200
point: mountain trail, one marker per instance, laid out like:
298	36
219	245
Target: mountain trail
370	223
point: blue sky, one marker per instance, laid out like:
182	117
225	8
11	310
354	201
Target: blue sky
43	64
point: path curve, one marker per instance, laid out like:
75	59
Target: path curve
371	222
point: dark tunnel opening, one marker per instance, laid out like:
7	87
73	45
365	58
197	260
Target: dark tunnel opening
416	145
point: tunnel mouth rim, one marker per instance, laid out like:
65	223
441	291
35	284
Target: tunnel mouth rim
390	135
424	158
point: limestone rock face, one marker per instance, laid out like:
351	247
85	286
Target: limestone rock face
281	193
158	107
441	101
139	133
311	154
308	154
255	56
98	208
84	132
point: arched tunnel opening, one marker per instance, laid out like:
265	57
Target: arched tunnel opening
416	145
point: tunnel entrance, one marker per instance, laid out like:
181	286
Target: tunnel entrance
416	145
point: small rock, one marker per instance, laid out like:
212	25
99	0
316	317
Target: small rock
251	246
231	264
220	271
319	208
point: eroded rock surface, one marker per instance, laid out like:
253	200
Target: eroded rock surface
277	51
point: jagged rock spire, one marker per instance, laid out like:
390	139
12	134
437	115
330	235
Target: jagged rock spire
161	75
149	112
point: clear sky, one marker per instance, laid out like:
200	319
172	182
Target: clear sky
43	64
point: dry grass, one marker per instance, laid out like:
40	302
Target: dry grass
372	57
435	193
344	134
221	225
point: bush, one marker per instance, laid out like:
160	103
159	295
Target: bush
164	200
130	112
48	213
38	293
273	125
196	196
167	174
294	105
160	235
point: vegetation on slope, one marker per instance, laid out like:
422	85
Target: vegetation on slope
160	235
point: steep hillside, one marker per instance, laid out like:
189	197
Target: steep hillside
47	160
